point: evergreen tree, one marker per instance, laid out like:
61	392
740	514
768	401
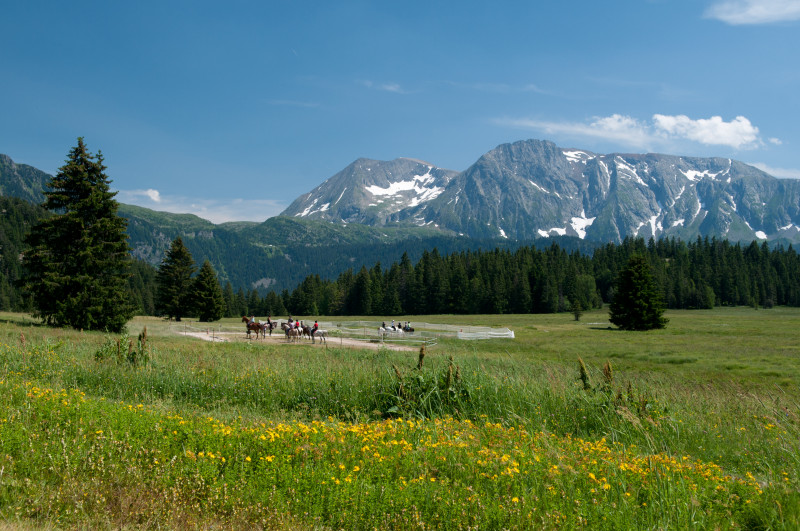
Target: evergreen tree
208	301
174	282
637	303
78	263
230	301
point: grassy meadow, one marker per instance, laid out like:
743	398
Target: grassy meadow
572	424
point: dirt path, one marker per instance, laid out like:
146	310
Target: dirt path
280	338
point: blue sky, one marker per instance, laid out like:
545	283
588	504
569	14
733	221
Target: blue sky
231	110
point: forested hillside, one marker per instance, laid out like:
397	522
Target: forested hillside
444	275
16	219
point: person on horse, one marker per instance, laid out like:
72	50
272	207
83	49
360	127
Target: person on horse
252	319
315	328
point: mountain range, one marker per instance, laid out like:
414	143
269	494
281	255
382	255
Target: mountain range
534	189
528	192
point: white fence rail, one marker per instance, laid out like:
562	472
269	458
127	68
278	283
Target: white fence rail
494	334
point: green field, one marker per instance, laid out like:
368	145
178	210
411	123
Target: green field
695	425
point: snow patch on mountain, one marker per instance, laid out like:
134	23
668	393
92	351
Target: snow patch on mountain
655	225
539	187
580	224
419	184
577	156
626	170
694	175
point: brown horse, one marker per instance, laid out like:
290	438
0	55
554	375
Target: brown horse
257	327
292	334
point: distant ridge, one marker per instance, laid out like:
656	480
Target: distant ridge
534	189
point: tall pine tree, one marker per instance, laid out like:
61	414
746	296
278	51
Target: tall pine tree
637	304
174	282
209	304
78	264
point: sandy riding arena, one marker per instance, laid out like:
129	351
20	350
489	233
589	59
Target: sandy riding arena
280	338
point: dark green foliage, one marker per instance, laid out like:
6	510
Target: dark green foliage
142	287
422	393
174	282
700	274
123	351
208	302
78	261
16	219
638	303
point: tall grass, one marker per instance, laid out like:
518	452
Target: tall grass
647	418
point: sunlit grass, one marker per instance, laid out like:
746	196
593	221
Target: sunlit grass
684	429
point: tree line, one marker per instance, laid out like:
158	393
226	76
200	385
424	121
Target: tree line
689	275
70	264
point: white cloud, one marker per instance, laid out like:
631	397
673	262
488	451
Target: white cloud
151	195
776	141
739	12
615	127
783	173
738	133
214	210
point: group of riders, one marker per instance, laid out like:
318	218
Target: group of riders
293	327
404	327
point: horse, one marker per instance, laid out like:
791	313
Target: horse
258	327
292	334
321	334
307	332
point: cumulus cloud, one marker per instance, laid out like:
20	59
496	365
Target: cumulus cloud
150	195
213	210
623	129
740	12
738	133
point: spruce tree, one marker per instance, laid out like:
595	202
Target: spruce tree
209	303
78	263
637	303
174	282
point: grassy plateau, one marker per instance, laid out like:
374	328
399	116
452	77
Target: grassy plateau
572	424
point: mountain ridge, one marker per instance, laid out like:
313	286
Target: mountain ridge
533	188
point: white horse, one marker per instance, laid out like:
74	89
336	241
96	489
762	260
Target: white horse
321	334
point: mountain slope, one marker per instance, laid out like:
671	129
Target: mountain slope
372	192
533	188
21	180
